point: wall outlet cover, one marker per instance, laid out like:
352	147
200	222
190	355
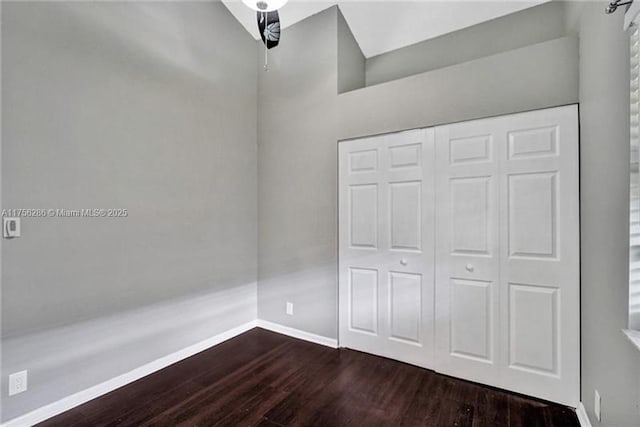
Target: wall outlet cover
289	308
17	382
596	404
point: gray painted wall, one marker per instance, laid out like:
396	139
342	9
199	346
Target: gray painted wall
297	177
351	61
609	362
529	26
537	76
145	106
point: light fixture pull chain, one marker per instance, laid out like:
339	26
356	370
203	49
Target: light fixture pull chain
266	41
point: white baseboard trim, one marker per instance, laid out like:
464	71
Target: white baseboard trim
76	399
583	418
297	333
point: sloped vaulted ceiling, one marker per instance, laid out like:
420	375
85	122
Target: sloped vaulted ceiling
383	26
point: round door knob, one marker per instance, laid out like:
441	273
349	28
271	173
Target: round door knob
469	268
403	261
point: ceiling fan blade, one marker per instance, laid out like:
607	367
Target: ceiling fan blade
269	28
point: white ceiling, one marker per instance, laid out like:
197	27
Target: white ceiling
383	26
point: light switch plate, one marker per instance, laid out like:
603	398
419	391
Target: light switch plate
17	382
10	227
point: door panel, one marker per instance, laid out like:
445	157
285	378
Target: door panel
363	221
532	205
403	156
472	319
470	226
467	251
386	238
363	161
539	262
363	300
527	143
470	149
406	215
405	292
533	321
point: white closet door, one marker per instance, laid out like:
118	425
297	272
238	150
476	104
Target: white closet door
539	262
467	257
507	284
386	246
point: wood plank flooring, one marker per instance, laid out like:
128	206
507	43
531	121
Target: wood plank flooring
261	378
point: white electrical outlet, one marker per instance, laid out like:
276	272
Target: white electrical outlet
289	308
17	382
596	404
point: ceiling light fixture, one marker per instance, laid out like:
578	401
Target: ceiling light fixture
264	5
268	23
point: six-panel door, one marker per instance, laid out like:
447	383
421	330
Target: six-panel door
467	251
540	255
386	246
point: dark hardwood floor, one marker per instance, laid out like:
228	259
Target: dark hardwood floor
265	379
